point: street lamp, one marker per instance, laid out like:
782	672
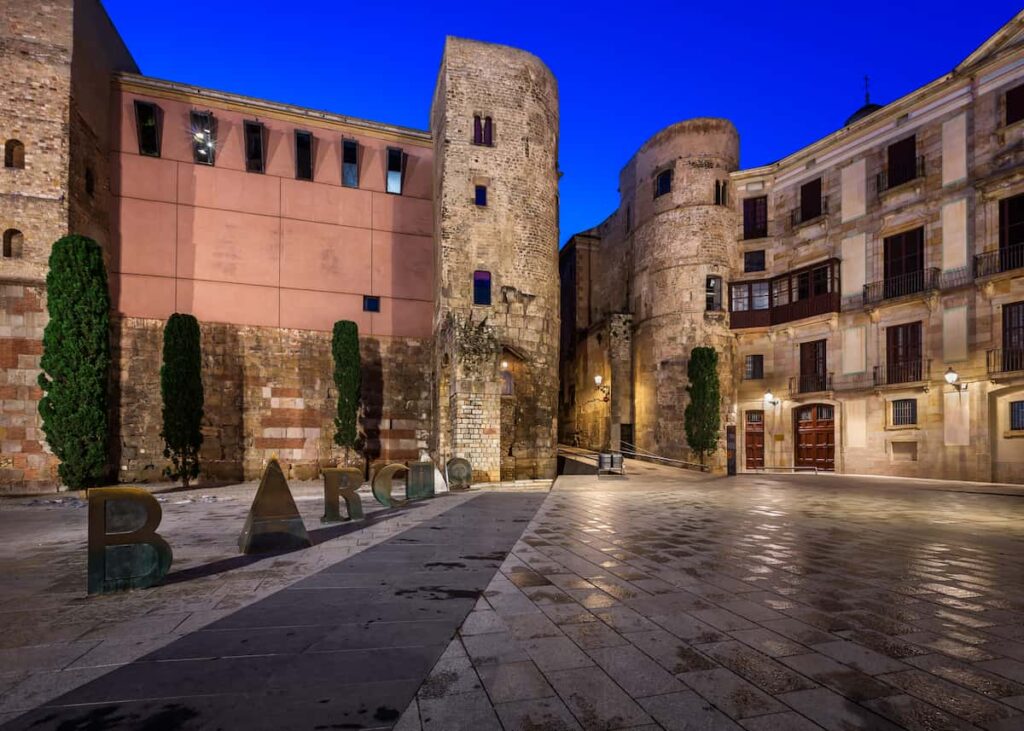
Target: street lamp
952	377
606	392
769	398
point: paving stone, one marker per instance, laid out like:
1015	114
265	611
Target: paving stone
636	673
593	634
916	715
670	652
463	712
494	648
767	674
949	697
779	722
768	642
549	714
859	657
596	701
968	676
555	653
1005	667
514	682
481	622
686	711
731	693
841	678
835	712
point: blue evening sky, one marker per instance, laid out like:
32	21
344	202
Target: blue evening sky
785	73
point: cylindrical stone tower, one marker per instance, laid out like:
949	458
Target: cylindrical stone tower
494	121
683	242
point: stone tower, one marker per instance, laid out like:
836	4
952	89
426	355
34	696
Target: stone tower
683	236
494	121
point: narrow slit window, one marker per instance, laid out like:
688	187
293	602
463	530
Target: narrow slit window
254	147
371	304
396	169
350	163
480	195
147	127
663	183
478	129
481	288
204	137
304	155
488	132
629	219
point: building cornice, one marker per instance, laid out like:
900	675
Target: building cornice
160	88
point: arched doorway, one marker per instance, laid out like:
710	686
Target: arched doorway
815	436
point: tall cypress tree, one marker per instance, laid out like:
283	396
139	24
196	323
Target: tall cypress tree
181	387
702	416
348	380
76	361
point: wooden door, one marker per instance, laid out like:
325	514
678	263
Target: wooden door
812	366
815	436
904	263
753	440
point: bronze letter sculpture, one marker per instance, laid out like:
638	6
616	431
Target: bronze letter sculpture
125	551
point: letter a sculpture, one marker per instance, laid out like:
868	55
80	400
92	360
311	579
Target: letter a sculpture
274	523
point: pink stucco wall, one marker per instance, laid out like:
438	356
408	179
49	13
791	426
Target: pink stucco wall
267	249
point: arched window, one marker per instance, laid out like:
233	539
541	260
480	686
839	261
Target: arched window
14	154
13	242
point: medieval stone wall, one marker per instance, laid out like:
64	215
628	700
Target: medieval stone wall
515	238
269	391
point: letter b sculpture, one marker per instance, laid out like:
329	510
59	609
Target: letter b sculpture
125	551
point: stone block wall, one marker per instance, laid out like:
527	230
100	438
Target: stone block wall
269	391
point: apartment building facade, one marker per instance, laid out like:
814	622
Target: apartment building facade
865	293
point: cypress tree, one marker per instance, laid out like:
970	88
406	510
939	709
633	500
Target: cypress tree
347	379
181	387
76	361
702	415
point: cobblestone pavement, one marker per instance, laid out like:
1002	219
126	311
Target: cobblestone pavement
775	603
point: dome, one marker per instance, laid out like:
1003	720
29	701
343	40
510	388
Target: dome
869	108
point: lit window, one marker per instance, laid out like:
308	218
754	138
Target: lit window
147	128
753	261
1017	415
713	294
1015	104
753	368
204	137
904	412
663	183
13	243
396	168
14	154
350	163
481	288
371	304
253	147
481	195
304	155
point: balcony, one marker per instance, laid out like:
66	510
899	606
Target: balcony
903	371
810	383
1002	361
904	285
797	218
1002	260
897	175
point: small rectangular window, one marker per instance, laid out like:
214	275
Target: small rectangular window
713	294
488	132
304	155
204	137
904	412
350	163
663	183
1015	104
481	195
478	129
810	200
902	162
481	288
396	170
1017	415
753	261
753	369
755	217
371	304
253	147
740	297
147	124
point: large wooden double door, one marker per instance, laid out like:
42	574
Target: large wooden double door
815	428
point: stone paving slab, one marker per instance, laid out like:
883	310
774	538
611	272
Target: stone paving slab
346	639
767	603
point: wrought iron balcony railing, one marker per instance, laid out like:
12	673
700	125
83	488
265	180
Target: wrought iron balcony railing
1004	360
1001	260
810	383
903	371
903	285
897	175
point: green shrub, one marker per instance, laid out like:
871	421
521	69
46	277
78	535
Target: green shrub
181	387
347	379
703	415
76	361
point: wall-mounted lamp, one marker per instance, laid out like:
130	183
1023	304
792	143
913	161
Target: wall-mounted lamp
607	392
952	378
504	365
769	399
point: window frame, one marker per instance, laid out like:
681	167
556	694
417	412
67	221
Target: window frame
1020	416
666	174
1014	104
371	303
480	196
713	285
250	128
753	367
400	171
479	277
298	169
753	226
206	141
138	105
903	412
7	241
348	144
812	199
763	265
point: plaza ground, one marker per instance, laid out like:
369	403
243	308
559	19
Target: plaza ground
662	599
